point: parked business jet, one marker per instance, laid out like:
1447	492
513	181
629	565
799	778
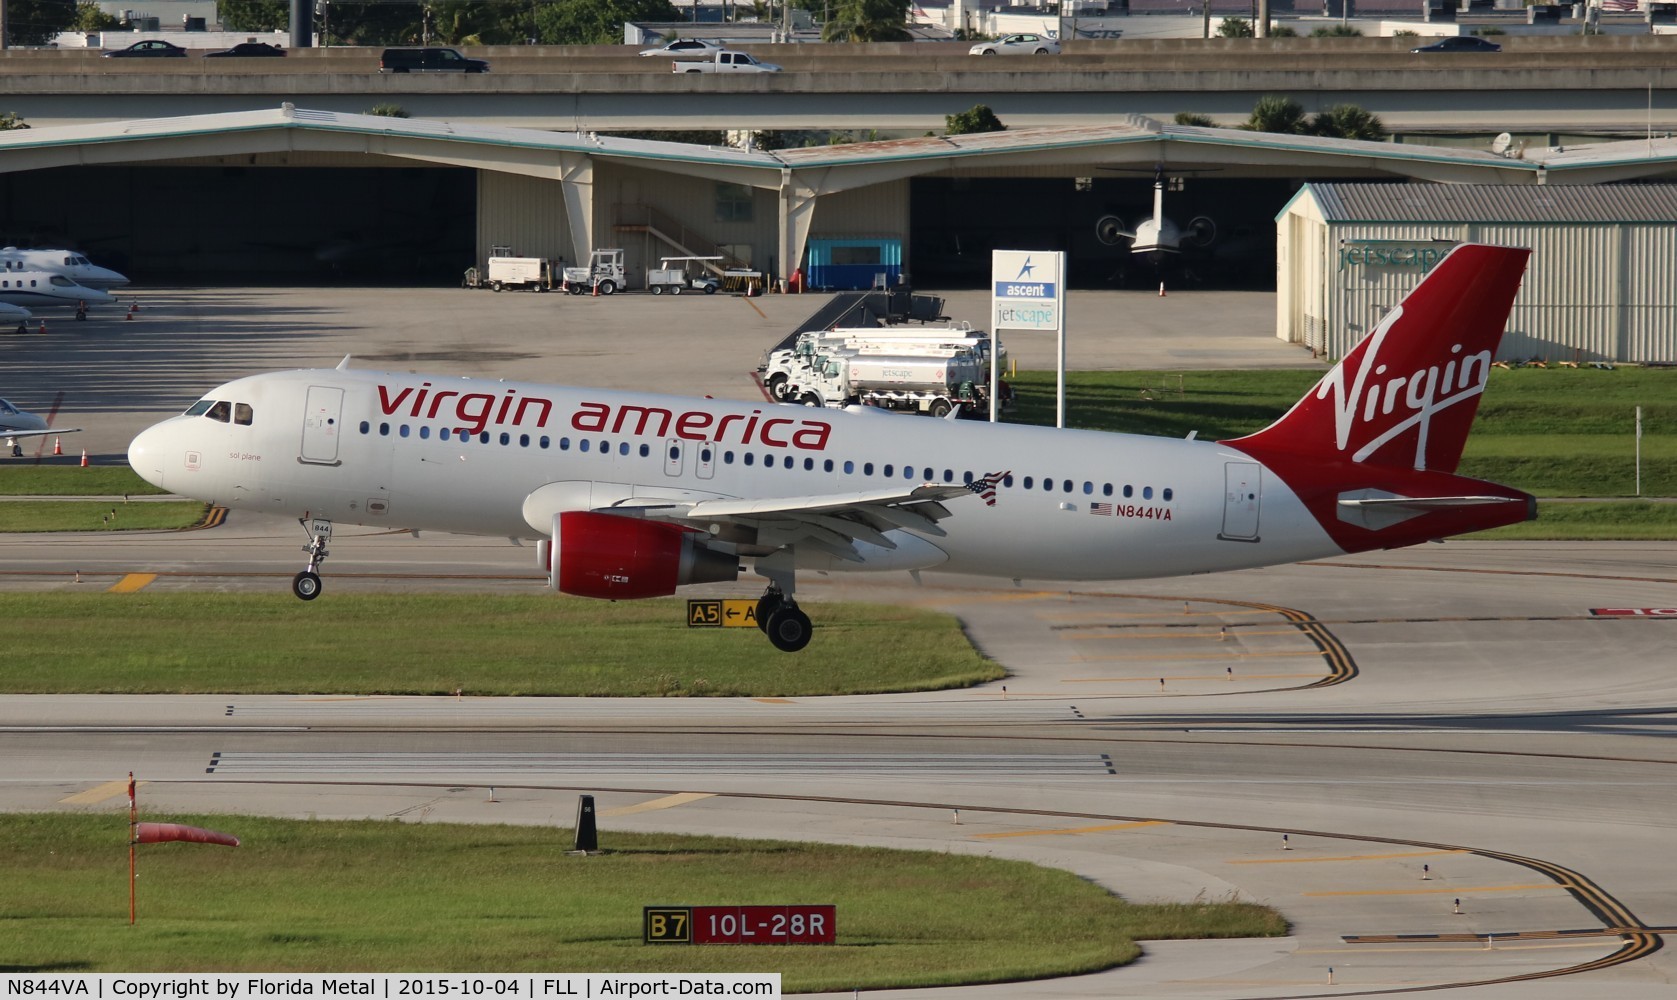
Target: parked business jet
69	263
16	424
15	314
47	288
633	495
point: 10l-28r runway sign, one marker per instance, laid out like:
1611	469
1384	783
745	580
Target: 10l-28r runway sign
808	924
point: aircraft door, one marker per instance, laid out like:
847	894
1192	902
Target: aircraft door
674	456
704	462
322	421
1242	493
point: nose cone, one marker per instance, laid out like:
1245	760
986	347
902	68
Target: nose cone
95	296
145	456
104	277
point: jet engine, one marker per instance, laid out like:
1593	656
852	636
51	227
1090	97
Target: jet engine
623	558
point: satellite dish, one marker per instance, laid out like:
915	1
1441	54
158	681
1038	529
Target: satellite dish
1500	144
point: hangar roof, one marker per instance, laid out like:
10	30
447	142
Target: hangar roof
1128	140
1495	203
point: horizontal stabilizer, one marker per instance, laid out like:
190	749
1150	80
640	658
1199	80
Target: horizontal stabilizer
1377	509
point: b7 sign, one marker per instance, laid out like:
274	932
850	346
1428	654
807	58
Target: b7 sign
809	924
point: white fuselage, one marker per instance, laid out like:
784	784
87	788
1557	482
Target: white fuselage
368	448
47	288
69	263
14	419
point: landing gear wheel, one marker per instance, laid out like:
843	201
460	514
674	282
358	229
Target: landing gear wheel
789	629
767	605
306	585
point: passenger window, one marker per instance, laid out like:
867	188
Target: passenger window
425	433
402	430
1129	491
827	466
1029	481
524	440
366	427
222	410
1106	489
1147	492
582	444
545	439
506	438
1088	488
750	459
890	470
442	434
809	464
867	469
384	430
849	466
1168	494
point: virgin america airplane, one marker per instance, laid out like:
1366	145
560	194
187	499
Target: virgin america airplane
633	495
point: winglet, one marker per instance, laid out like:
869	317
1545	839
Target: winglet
343	365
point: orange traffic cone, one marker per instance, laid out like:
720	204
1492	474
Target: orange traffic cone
130	313
84	458
133	307
43	326
596	289
1161	289
58	446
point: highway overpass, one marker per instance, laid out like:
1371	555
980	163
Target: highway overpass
1538	84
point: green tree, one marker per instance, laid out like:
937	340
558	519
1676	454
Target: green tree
1337	31
1348	121
37	22
258	15
978	118
1274	113
389	110
868	21
1282	31
1234	27
596	22
90	18
1194	118
12	120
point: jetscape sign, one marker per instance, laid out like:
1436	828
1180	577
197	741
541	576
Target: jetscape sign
1027	289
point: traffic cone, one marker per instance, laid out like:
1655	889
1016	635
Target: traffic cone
57	446
43	326
84	458
134	307
131	308
1161	289
596	289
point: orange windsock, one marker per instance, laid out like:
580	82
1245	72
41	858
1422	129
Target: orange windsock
159	833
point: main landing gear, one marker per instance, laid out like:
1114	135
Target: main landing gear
779	618
306	585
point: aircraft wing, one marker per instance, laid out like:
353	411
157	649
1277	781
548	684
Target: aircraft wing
11	435
830	522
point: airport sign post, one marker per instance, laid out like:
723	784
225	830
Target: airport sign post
807	924
1028	292
730	612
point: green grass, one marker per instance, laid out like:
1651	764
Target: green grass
387	896
1623	521
1550	432
540	644
95	515
59	481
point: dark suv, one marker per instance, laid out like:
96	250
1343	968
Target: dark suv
429	61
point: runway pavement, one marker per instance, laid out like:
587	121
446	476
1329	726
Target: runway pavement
1358	742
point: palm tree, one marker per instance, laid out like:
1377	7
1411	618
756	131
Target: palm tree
1348	121
1274	113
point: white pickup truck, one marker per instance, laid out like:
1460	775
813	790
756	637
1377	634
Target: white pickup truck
726	61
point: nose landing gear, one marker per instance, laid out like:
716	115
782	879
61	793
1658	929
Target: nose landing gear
306	585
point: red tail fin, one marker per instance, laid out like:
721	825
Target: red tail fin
1406	395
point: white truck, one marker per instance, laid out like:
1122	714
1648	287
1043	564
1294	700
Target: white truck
726	61
604	274
932	385
671	275
783	370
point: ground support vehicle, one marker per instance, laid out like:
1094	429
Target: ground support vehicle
602	276
533	273
671	275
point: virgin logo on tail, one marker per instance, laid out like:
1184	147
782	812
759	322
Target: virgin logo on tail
1421	372
1421	394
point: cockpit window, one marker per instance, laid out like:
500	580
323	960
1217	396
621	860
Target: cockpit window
6	407
199	407
220	411
61	281
241	413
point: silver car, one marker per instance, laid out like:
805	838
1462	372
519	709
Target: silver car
686	48
1023	44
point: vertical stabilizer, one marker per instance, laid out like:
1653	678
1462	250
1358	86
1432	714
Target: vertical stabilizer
1406	395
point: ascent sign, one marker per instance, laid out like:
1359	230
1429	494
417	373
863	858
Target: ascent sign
1027	289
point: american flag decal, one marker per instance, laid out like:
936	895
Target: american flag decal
1101	508
986	486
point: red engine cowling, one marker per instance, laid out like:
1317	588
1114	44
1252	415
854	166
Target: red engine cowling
623	558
